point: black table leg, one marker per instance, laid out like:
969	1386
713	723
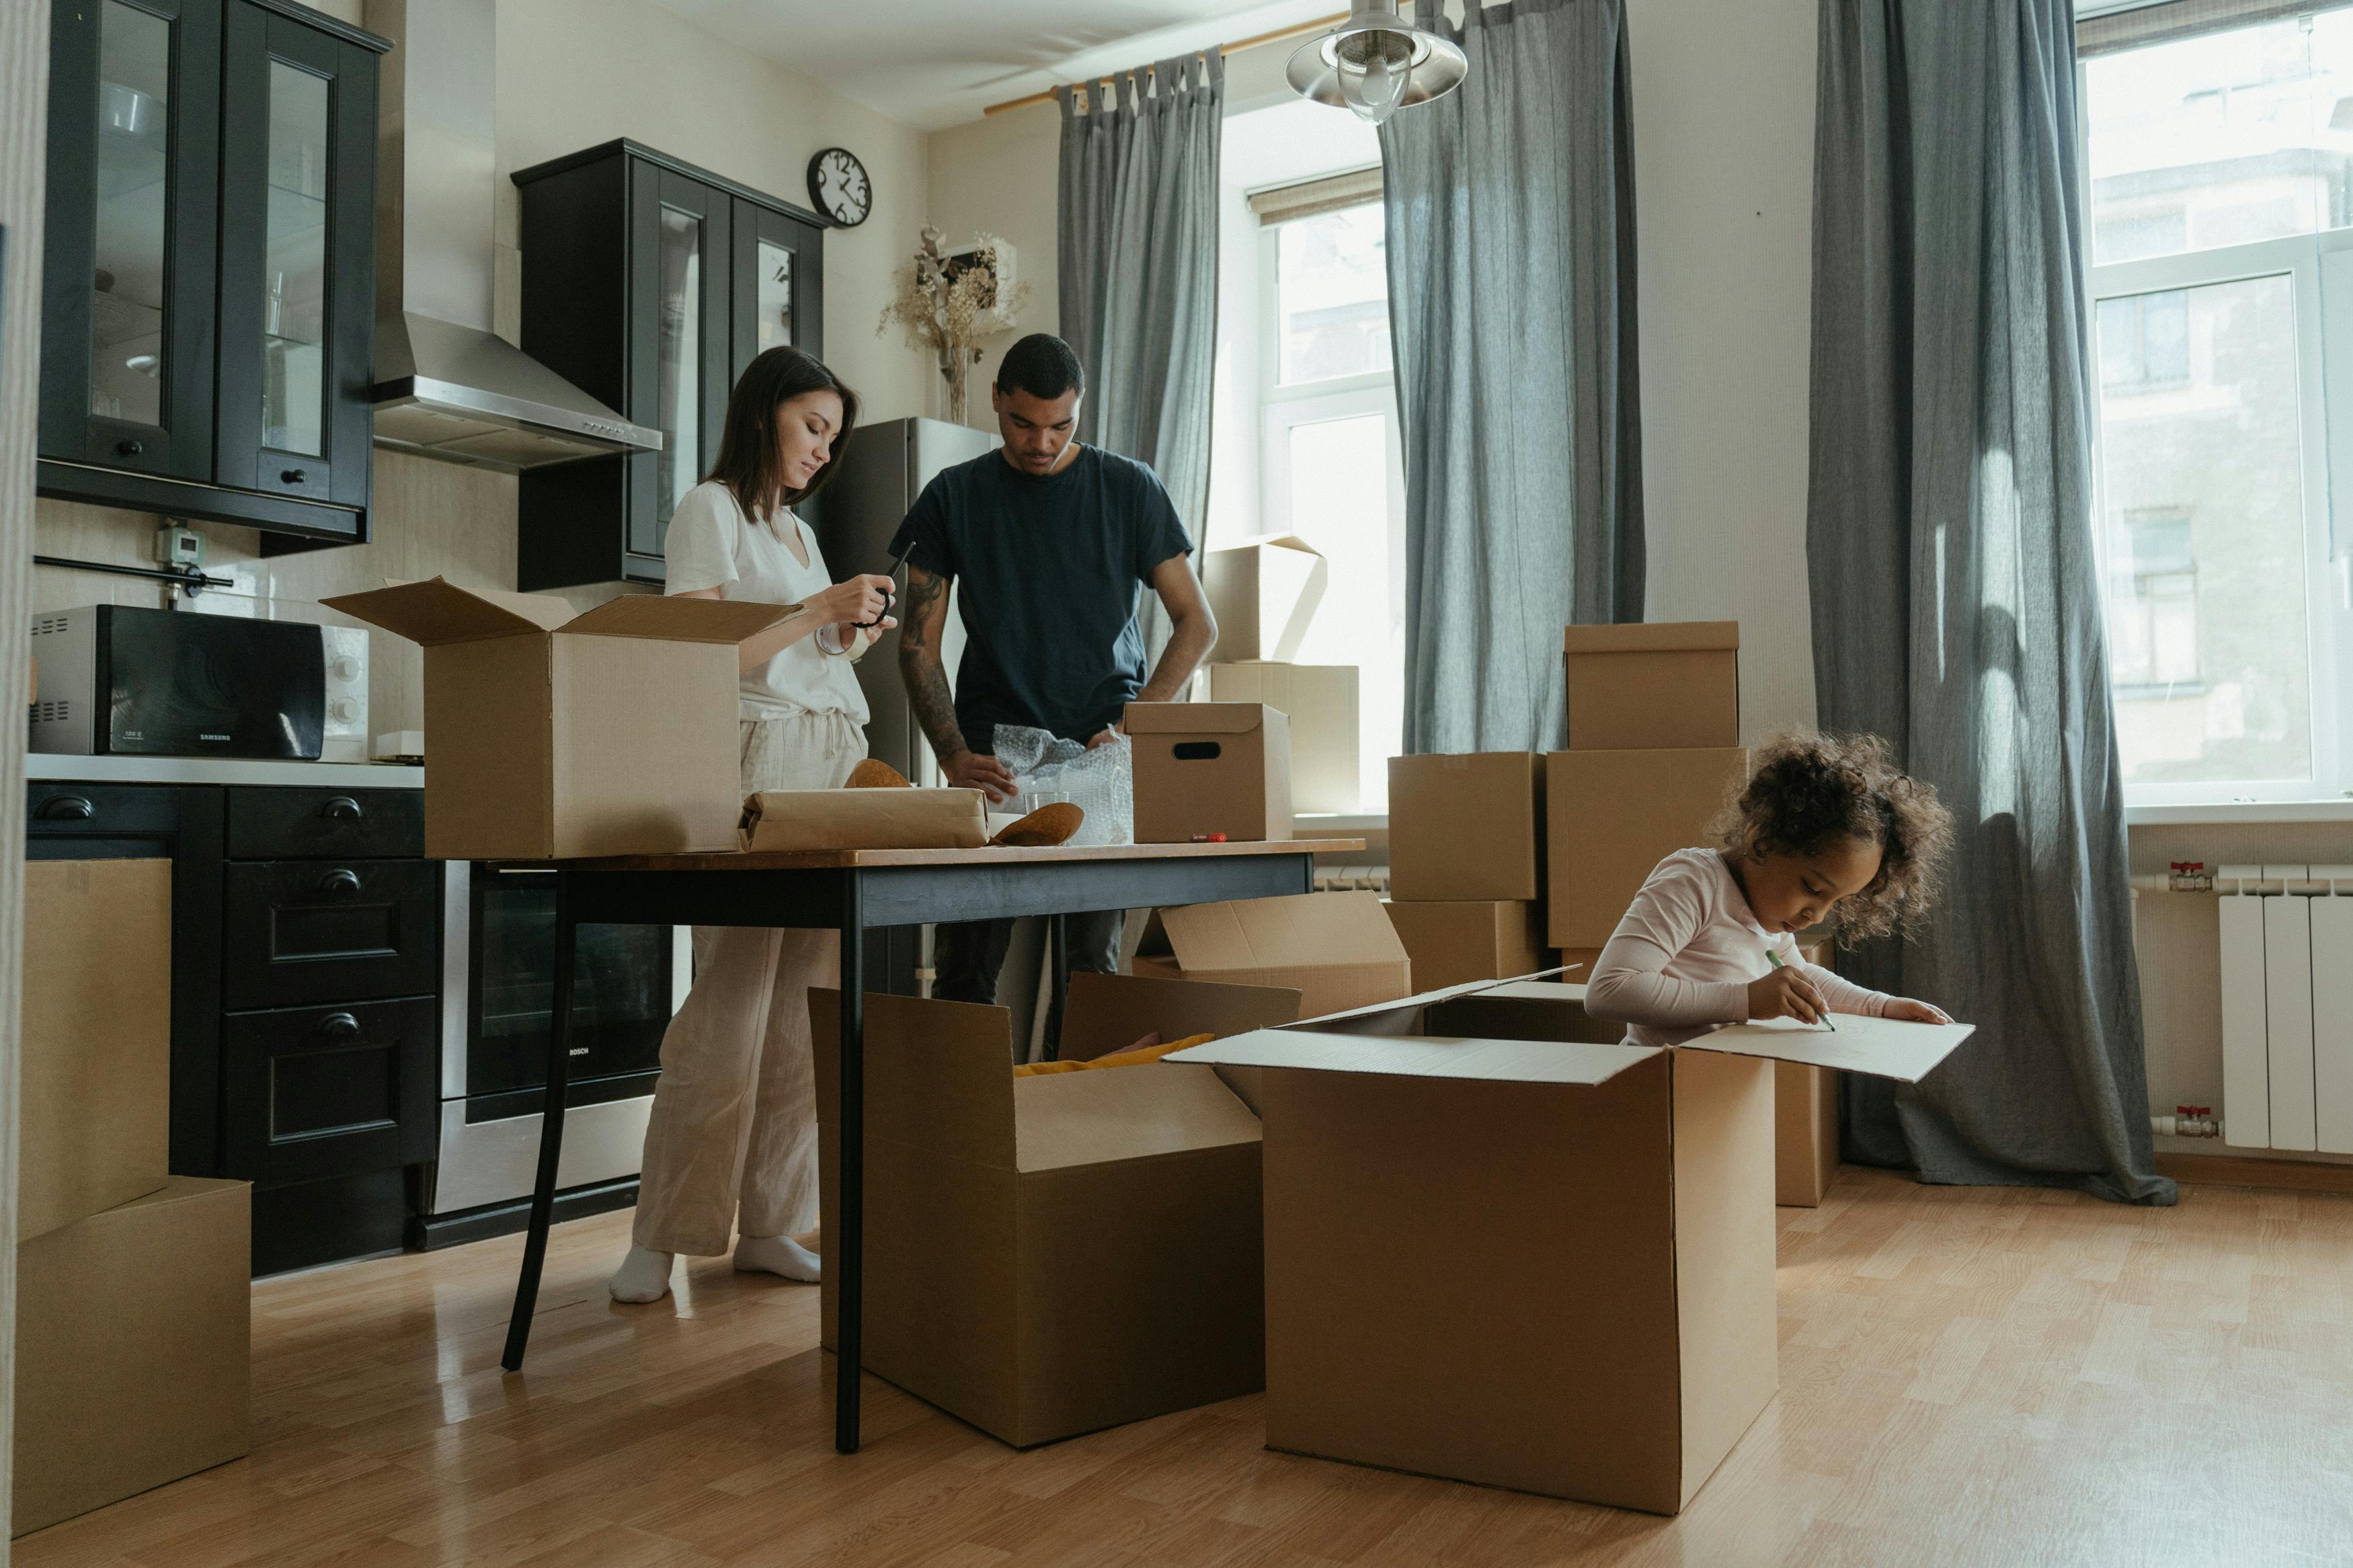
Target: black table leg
1058	982
551	1133
845	1249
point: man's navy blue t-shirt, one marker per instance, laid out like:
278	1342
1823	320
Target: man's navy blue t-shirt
1048	572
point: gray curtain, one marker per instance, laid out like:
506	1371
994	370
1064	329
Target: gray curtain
1955	600
1511	265
1139	268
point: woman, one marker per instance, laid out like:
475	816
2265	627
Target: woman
734	1133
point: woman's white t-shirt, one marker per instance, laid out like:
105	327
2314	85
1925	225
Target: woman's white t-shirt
712	543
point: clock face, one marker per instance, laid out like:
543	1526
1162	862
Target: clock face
836	184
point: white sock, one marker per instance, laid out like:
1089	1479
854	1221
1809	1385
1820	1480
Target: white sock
779	1255
643	1276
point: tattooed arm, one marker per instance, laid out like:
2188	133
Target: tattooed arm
926	616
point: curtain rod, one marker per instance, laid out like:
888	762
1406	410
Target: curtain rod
1298	29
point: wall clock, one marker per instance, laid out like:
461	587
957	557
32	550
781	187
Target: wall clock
838	187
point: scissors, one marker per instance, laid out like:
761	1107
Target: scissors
888	597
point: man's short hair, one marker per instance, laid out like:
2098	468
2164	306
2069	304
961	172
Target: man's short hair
1043	365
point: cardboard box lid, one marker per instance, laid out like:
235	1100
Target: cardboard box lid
1301	931
1060	1120
1195	717
1421	1056
1653	637
865	819
436	611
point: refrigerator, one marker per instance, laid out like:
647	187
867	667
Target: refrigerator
884	468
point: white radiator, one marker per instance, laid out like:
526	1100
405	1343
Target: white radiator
2287	1006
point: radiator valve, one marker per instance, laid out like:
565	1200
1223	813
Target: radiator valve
2189	1121
2189	877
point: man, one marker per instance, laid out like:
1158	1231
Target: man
1054	542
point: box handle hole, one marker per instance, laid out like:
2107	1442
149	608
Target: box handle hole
1196	751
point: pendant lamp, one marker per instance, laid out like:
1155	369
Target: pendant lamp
1376	63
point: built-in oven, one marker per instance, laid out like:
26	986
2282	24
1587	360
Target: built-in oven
498	1000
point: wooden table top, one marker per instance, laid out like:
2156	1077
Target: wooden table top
985	855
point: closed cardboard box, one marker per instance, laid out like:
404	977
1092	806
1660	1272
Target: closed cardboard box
1673	684
1611	817
1591	1312
132	1349
1263	595
556	735
1204	768
1805	1120
1449	944
1338	949
1054	1255
1320	700
95	1093
1468	827
865	819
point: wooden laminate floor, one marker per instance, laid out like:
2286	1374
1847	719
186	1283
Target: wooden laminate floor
1968	1377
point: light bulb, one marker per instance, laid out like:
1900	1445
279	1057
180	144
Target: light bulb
1375	92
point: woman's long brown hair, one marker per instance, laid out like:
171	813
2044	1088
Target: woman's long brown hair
750	460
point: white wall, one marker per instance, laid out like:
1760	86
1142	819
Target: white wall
999	175
1723	157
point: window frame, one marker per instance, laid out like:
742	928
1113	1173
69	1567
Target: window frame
2329	620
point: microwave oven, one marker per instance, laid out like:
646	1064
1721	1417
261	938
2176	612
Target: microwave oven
119	680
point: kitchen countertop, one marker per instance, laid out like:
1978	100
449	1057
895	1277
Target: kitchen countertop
52	765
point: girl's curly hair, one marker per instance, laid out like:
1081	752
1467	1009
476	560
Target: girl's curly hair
1811	790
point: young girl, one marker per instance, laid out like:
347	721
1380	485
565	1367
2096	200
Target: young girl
732	1139
1827	830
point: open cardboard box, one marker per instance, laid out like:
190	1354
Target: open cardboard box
557	735
1263	594
1591	1314
1337	950
1053	1255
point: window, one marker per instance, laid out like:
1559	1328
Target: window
1306	438
2221	221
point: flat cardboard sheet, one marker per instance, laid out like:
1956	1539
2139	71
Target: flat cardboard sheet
865	819
1883	1047
1422	1056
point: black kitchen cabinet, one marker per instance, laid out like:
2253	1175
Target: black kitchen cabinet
650	284
209	304
319	1092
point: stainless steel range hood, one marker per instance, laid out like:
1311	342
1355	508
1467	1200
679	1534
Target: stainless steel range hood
446	384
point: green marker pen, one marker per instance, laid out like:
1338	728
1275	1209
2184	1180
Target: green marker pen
1774	959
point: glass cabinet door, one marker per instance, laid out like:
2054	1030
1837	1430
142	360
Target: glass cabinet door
297	150
680	379
134	119
776	282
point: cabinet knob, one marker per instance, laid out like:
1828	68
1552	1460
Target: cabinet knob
130	448
66	808
292	476
339	881
342	808
339	1027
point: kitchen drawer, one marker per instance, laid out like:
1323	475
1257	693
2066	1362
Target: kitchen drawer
299	932
312	1092
96	810
331	823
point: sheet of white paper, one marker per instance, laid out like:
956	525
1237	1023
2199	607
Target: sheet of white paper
1421	1056
1883	1047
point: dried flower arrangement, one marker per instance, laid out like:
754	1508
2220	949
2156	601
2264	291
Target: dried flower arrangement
951	304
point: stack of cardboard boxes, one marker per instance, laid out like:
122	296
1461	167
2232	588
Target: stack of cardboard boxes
132	1345
1264	593
1467	864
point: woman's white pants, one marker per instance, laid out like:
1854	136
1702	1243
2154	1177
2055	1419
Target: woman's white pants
732	1139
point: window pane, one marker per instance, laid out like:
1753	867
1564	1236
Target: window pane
1332	287
294	298
2222	139
2204	533
1340	502
678	373
776	262
134	129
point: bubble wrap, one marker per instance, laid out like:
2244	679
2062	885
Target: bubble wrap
1101	783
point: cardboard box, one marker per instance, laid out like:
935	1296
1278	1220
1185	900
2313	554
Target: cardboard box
1805	1120
1263	595
1591	1313
1610	818
866	819
1670	685
1465	828
132	1349
1338	949
1210	767
1053	1255
94	1117
1320	700
557	735
1449	944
